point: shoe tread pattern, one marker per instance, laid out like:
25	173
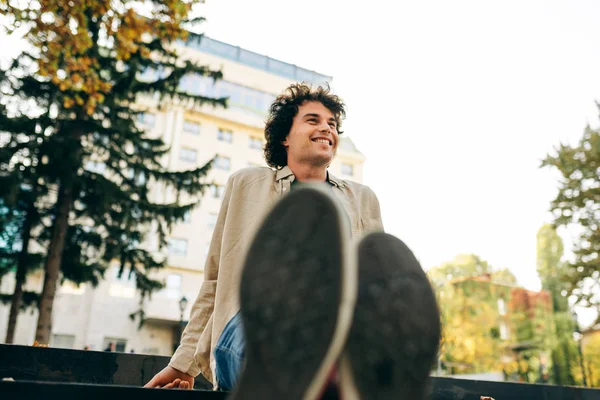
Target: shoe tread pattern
290	294
395	333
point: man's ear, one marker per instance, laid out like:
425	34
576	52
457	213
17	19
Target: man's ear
285	142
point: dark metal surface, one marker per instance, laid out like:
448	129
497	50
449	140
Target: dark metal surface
443	389
100	367
462	389
46	373
29	390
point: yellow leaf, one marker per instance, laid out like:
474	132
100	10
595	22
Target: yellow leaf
68	102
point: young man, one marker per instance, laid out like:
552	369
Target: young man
302	136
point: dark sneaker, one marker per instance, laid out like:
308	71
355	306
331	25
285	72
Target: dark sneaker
394	338
297	295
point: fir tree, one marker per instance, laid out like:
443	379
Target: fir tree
83	74
22	209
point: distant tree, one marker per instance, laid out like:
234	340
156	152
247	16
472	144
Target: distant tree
87	66
552	271
469	265
578	204
591	354
21	213
15	256
550	266
463	265
470	336
487	320
504	276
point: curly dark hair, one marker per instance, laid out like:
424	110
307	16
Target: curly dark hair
285	108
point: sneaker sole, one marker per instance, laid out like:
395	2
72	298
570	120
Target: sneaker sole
394	338
297	295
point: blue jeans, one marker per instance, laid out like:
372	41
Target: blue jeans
229	353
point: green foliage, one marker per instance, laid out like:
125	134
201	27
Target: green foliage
504	276
70	105
469	265
19	191
564	353
29	301
591	352
550	267
553	271
470	335
21	216
578	203
489	323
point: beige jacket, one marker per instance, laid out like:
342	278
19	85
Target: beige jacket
249	195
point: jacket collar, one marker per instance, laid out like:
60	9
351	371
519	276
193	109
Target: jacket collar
286	172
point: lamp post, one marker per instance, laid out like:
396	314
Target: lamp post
182	305
578	336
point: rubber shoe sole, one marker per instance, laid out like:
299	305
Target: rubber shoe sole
394	339
297	295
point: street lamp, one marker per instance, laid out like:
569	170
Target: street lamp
578	336
182	305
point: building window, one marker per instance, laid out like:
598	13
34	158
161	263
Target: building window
217	191
191	127
212	220
116	344
188	155
255	143
173	286
503	331
187	217
63	341
177	247
254	165
147	119
244	98
501	307
347	169
225	135
223	163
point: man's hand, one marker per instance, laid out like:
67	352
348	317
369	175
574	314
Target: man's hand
170	378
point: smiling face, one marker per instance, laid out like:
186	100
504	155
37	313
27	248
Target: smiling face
313	137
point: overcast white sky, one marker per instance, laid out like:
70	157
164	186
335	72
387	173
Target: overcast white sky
454	104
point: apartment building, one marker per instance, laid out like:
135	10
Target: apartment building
87	316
